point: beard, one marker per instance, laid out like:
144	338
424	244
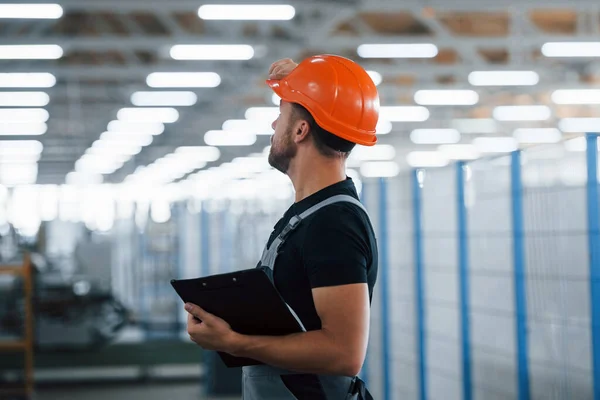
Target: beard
282	154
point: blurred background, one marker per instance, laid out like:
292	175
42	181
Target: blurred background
133	151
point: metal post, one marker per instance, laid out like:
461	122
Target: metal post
419	289
463	265
384	274
208	357
594	249
225	242
519	276
205	241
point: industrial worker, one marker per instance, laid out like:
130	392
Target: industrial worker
322	254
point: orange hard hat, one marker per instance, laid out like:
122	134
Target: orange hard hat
339	94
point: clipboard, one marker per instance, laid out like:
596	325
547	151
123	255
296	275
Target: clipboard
247	300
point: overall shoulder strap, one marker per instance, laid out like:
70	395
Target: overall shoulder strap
334	199
269	253
297	219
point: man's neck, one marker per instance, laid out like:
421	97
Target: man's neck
312	175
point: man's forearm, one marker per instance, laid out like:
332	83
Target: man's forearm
308	352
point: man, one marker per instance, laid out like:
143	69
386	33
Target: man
322	254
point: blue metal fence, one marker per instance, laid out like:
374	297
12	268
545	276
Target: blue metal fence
419	286
384	287
593	216
519	276
463	265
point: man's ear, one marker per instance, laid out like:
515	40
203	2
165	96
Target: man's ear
302	131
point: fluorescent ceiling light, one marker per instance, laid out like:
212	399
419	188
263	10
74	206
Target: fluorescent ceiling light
183	79
459	151
571	49
435	136
212	52
251	164
537	135
30	11
418	159
164	98
379	152
446	97
117	135
504	78
23	128
379	169
250	12
18	175
584	96
77	178
522	113
109	152
25	147
580	125
496	144
118	138
404	113
147	114
204	153
262	113
27	80
229	138
256	126
97	164
383	127
19	158
425	50
29	115
25	169
150	128
31	52
475	125
376	77
25	162
24	99
117	147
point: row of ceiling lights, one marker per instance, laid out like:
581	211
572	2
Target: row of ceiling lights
233	52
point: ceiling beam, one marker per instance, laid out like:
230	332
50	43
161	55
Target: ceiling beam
291	46
473	5
424	68
142	42
533	41
374	5
149	5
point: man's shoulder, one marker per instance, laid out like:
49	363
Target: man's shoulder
345	218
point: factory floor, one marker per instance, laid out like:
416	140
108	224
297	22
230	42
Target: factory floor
176	391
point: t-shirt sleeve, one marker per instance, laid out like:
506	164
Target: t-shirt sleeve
336	250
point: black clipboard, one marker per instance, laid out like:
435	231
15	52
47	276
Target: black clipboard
247	300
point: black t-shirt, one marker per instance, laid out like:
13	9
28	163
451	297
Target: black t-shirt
334	246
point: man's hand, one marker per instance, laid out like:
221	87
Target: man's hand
281	68
209	331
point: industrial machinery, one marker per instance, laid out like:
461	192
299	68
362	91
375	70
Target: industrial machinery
70	313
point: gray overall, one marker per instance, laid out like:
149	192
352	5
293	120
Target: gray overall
264	382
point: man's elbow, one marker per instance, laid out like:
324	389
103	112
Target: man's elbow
351	364
352	369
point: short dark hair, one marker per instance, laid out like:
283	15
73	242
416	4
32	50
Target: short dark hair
328	144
